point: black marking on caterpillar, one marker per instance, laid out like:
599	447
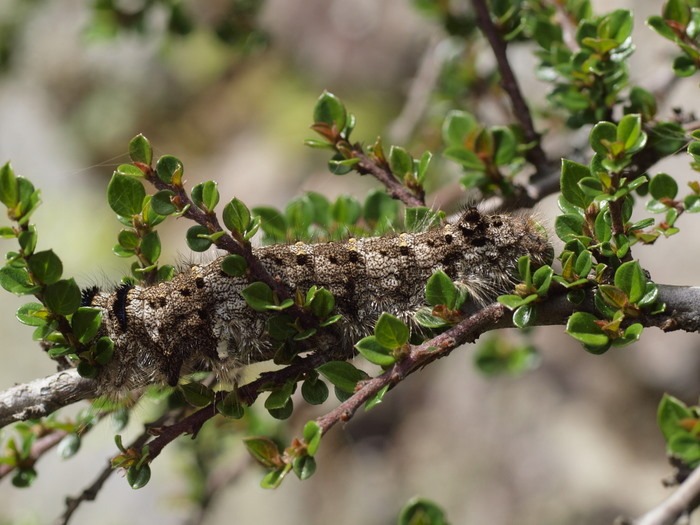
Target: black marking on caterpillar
120	303
87	295
199	318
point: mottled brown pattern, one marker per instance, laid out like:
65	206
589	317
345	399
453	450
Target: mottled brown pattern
199	318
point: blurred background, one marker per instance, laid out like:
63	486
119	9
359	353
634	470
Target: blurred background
573	441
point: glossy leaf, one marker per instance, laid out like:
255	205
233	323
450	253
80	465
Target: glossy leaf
85	323
342	374
630	278
440	290
375	352
391	332
62	297
258	296
45	266
125	195
140	150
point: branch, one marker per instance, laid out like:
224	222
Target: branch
91	492
39	448
510	85
466	331
43	396
383	174
685	499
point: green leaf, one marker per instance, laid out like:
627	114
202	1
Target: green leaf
512	302
677	11
87	370
322	303
629	132
273	479
400	161
125	195
45	266
314	391
69	445
376	398
150	247
663	186
197	394
684	66
62	297
465	157
162	204
85	323
280	397
569	226
206	195
582	327
456	127
379	208
197	238
423	164
421	511
104	350
138	477
541	279
284	412
441	290
140	150
273	223
128	239
263	450
304	467
391	332
9	192
258	296
129	170
16	281
342	374
602	136
236	216
659	25
231	406
32	314
170	170
525	316
346	210
234	265
669	414
312	437
330	110
24	477
374	352
630	278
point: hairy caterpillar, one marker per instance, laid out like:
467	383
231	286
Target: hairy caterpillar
199	317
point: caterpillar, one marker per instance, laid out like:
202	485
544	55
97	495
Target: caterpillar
199	317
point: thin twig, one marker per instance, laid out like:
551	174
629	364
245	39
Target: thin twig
383	174
419	356
510	85
40	447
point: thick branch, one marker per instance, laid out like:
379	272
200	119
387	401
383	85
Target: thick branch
41	397
685	499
